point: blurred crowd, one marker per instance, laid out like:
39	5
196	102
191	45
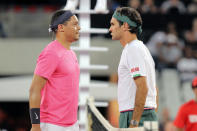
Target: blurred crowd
170	49
160	6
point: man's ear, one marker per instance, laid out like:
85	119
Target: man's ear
60	28
126	26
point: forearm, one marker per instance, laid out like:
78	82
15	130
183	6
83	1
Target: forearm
34	105
34	101
34	98
157	99
35	91
140	100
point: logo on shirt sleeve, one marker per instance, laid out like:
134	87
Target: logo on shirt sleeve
193	118
135	69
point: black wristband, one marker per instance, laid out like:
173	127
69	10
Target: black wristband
35	115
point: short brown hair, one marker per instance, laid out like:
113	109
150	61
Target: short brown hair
133	15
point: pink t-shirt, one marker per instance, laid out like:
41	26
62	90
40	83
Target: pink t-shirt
59	97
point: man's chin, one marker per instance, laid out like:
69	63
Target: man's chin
77	38
113	38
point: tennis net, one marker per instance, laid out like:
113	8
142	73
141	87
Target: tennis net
96	122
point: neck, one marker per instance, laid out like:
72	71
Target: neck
64	42
127	38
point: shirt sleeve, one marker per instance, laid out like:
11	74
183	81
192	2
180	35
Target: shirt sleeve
46	64
180	118
136	62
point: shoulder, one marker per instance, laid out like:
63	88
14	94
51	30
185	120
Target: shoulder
50	50
189	102
135	46
52	47
186	105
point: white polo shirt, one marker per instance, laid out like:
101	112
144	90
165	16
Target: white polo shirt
136	60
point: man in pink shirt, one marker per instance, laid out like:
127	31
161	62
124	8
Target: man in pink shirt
54	90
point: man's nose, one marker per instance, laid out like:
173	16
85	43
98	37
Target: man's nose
110	29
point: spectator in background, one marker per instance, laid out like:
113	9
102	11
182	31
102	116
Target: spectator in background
162	43
112	5
136	4
191	36
186	118
187	66
154	45
171	28
192	7
173	6
170	52
148	6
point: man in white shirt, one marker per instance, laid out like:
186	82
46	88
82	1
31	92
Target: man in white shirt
137	92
